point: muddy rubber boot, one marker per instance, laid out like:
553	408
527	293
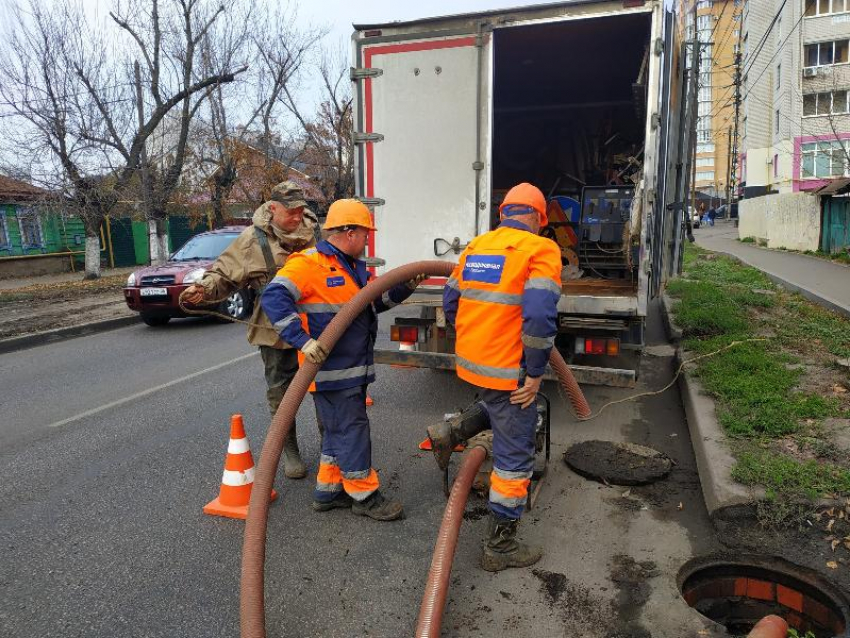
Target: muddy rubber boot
446	435
503	550
378	507
342	500
293	466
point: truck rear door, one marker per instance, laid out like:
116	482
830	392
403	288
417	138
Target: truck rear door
417	122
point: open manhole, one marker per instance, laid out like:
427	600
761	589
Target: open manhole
617	463
738	592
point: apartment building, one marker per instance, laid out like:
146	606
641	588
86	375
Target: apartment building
795	118
717	27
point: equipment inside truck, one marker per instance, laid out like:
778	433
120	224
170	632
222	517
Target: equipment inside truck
569	115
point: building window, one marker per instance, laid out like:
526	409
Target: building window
834	103
703	4
776	164
825	53
824	7
705	176
30	225
776	126
5	242
705	148
702	162
824	159
778	76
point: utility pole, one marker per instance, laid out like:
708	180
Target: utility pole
729	170
733	178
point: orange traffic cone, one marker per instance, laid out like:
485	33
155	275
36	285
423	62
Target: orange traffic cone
426	445
238	477
369	401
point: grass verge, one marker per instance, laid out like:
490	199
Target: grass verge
782	398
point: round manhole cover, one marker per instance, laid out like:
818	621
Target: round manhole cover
618	463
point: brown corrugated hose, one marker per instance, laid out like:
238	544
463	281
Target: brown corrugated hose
437	587
252	604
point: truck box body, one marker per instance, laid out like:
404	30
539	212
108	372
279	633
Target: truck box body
584	100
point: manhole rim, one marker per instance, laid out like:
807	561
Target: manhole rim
805	575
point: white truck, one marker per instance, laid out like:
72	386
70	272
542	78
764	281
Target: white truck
585	99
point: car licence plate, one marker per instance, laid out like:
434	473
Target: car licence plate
154	292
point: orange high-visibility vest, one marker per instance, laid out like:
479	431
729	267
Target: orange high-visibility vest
492	277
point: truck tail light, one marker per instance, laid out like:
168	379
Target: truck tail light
409	334
592	345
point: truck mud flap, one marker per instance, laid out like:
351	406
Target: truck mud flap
586	375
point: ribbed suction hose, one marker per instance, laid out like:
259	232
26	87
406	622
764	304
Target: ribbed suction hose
252	604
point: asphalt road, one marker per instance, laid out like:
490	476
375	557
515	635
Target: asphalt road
112	444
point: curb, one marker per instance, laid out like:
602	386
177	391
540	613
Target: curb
25	342
713	457
826	302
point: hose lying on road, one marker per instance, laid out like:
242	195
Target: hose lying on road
252	603
437	587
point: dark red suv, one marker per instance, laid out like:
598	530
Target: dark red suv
154	292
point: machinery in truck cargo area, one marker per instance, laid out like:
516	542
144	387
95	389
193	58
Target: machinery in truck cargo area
584	99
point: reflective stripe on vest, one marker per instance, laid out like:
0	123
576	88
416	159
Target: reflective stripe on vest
487	371
287	283
324	376
316	308
541	283
506	298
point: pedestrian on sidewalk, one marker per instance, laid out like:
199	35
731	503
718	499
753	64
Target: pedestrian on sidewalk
711	215
502	298
280	226
301	301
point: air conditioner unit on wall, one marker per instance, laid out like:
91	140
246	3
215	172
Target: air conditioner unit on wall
810	72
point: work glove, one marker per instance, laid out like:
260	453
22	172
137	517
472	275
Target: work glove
314	352
194	294
413	284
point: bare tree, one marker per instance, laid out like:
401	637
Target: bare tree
244	126
170	71
52	128
329	147
96	104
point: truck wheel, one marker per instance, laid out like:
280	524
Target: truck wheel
154	321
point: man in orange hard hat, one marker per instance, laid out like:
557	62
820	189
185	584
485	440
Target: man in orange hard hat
502	298
301	300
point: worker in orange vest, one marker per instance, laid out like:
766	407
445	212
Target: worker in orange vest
502	298
300	301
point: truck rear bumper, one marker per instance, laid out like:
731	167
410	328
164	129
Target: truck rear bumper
587	375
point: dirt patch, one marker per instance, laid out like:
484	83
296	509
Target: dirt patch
617	463
813	539
554	583
31	316
581	610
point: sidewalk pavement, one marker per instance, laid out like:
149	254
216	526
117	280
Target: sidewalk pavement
23	282
824	282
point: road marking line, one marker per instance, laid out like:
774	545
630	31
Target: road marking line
144	393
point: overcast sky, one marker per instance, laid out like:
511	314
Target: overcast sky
339	15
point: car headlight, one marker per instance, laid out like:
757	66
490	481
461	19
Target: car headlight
131	280
194	276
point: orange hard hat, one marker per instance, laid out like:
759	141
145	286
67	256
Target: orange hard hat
348	212
526	194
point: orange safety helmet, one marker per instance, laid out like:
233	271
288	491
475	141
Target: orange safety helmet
348	212
526	194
